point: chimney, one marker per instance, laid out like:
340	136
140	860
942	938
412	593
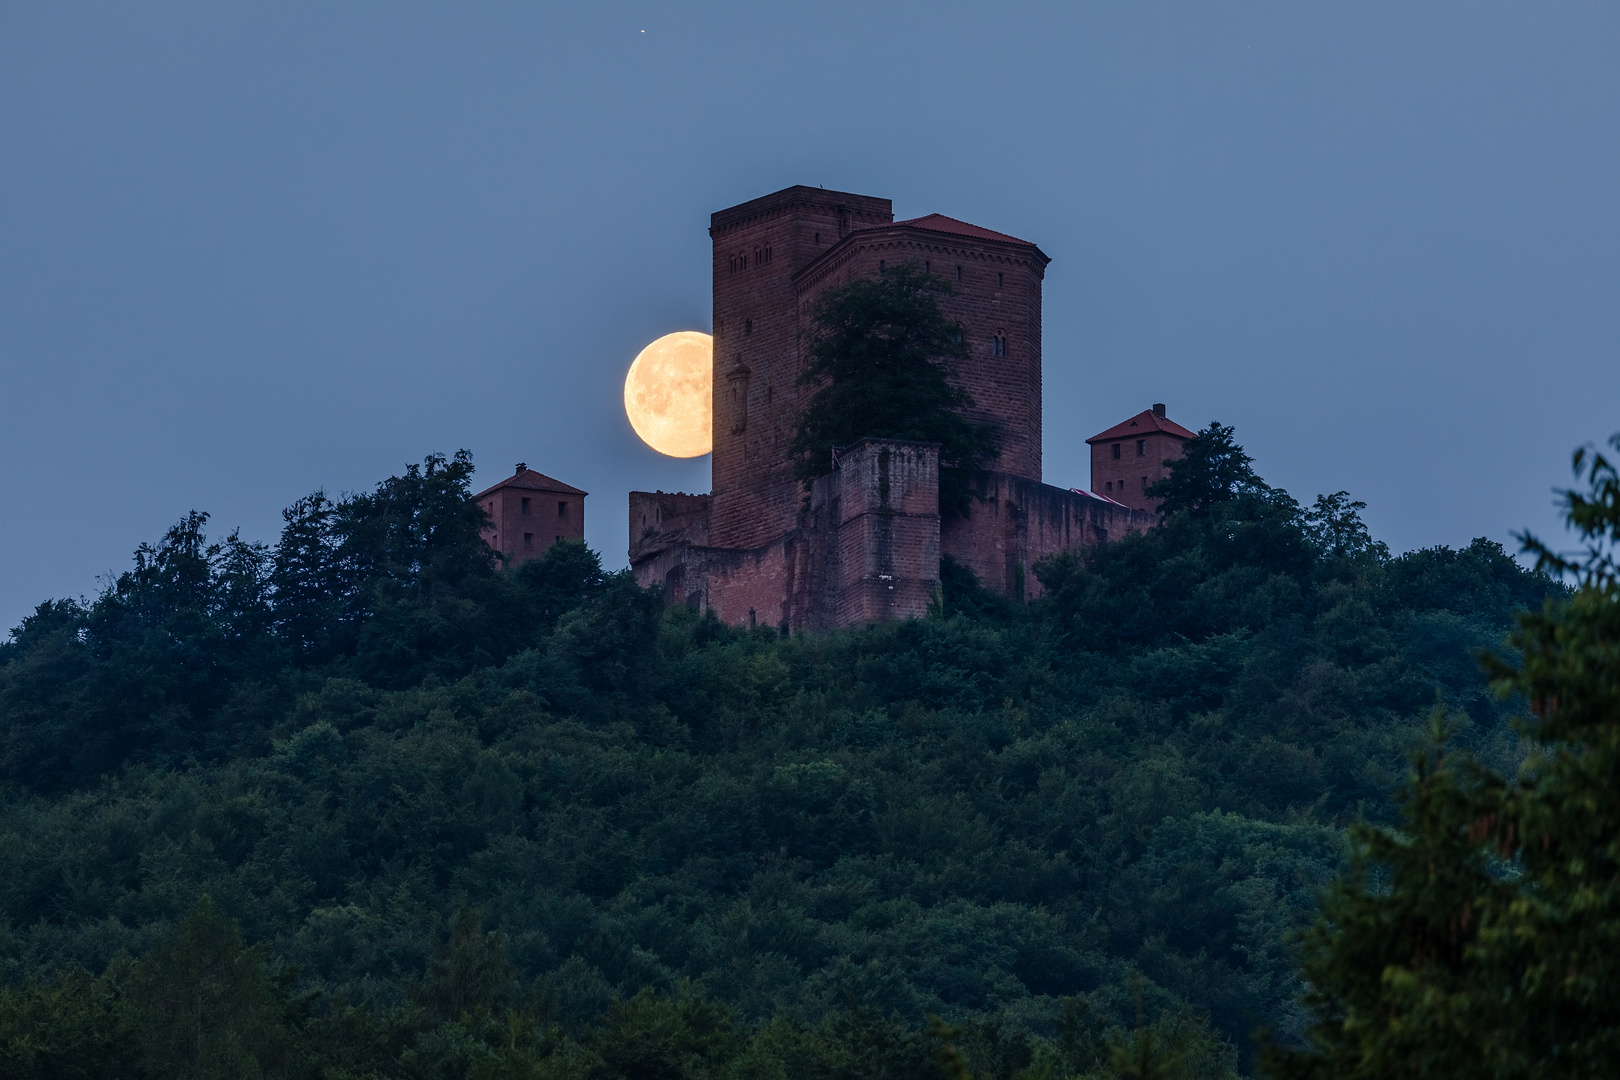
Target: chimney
1158	408
524	464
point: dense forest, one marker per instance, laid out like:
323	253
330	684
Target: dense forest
365	803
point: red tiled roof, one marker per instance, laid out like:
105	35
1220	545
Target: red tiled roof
941	223
1142	423
529	480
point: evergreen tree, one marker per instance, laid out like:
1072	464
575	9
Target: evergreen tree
1212	469
881	358
1483	939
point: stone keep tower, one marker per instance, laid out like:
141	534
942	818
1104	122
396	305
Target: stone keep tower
758	248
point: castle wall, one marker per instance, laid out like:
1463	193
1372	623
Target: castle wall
1016	522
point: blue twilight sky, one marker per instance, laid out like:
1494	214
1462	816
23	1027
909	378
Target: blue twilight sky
248	250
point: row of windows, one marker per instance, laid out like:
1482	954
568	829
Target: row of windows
1109	486
523	507
1141	449
740	261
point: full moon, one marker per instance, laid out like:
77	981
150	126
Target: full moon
668	394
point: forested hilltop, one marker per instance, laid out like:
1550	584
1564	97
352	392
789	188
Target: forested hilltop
364	802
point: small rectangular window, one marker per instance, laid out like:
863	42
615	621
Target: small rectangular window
524	510
1000	281
1109	486
562	509
1144	483
528	541
1141	448
1116	451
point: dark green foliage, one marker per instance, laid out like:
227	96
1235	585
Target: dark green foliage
1481	938
530	823
881	356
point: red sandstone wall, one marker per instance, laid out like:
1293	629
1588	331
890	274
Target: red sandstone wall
758	246
521	535
1125	479
998	294
887	522
1017	522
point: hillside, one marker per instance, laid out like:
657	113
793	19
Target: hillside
1019	818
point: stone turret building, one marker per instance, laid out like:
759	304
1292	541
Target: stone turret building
867	544
529	512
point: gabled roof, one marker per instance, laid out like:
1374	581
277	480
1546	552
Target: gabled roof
941	224
1146	422
529	480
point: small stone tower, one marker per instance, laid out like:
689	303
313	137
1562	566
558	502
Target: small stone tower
529	512
1130	456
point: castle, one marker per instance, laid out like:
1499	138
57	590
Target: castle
867	544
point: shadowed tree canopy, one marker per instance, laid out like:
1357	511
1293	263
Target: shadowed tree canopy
881	356
1479	940
1212	469
481	823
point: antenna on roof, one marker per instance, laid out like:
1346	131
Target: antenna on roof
522	465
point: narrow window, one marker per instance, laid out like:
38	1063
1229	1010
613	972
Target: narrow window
999	281
528	541
818	238
562	509
958	273
524	510
1141	448
928	267
1144	483
748	327
1116	451
767	393
882	265
767	254
759	257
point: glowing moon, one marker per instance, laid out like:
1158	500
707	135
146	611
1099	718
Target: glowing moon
668	394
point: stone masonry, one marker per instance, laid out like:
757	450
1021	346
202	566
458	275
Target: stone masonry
529	512
864	544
